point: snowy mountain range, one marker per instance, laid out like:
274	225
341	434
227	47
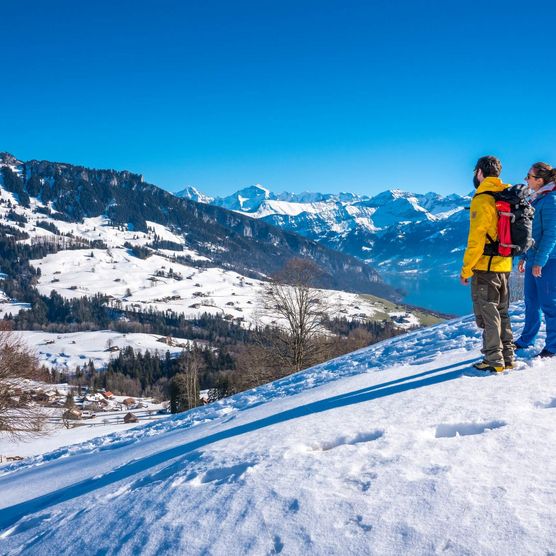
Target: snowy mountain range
63	192
254	195
85	233
395	231
399	448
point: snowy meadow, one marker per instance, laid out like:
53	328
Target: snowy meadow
399	448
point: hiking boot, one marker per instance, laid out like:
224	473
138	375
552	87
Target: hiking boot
509	364
545	353
484	366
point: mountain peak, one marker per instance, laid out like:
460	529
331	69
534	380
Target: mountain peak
247	199
8	159
193	194
256	189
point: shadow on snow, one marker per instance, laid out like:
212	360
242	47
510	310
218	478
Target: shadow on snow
12	514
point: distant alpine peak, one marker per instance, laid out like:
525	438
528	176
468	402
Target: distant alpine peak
247	199
347	197
315	197
7	159
257	190
193	194
392	195
388	207
398	193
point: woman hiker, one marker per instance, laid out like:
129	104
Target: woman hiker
539	263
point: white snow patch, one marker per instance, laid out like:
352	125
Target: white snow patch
399	448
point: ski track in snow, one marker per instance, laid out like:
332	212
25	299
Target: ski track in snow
399	448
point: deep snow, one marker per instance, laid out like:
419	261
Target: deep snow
399	448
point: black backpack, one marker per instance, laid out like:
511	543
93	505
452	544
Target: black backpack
515	222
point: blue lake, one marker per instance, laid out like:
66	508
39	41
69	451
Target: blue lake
443	294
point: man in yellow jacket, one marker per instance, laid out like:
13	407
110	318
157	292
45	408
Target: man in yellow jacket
489	274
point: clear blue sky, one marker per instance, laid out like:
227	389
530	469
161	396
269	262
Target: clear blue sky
297	95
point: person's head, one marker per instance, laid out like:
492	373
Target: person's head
540	174
486	167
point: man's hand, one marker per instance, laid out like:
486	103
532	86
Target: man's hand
521	265
537	271
463	281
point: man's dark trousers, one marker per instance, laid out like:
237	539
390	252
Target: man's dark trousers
491	298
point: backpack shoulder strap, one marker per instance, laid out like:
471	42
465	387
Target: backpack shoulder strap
489	239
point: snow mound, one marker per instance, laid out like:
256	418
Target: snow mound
399	448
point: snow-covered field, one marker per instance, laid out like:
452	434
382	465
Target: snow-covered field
97	228
80	432
7	306
65	351
106	418
165	285
400	448
62	437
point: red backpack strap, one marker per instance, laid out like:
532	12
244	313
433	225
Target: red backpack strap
504	228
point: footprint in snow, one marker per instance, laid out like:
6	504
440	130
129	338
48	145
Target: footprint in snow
176	472
26	524
466	429
358	438
436	470
358	520
231	418
294	506
278	545
222	475
547	405
362	481
497	492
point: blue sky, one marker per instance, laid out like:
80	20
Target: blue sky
298	95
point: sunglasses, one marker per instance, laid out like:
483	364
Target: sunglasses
531	176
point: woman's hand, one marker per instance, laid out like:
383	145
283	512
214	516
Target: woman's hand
521	265
537	271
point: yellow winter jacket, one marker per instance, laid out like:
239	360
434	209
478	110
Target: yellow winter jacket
483	220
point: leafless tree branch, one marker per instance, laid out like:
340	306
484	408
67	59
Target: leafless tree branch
19	414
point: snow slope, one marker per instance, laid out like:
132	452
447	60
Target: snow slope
399	448
65	352
163	284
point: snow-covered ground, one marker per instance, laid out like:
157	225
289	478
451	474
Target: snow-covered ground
12	308
80	432
65	351
399	448
96	228
7	306
62	437
106	418
166	285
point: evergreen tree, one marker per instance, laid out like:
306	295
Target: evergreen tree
70	402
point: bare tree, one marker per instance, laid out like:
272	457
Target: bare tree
192	379
19	414
184	387
255	364
299	338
